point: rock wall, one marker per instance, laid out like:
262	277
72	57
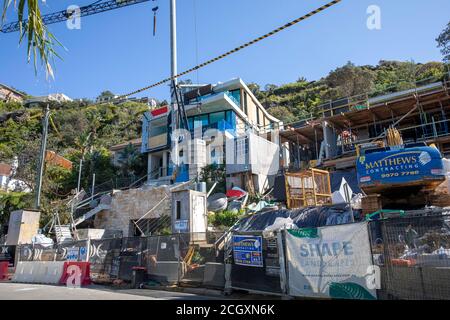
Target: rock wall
132	204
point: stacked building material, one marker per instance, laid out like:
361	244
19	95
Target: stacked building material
371	203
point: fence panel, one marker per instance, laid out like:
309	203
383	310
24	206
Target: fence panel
255	263
414	256
8	253
71	250
161	257
102	254
330	262
202	259
130	256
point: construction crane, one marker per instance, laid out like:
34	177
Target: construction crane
55	17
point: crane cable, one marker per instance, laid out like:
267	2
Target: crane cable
271	33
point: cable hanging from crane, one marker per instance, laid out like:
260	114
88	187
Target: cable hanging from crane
271	33
155	9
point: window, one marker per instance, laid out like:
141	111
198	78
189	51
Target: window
236	94
245	104
216	117
201	121
178	209
157	130
257	115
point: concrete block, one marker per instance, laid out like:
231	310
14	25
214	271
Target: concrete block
214	275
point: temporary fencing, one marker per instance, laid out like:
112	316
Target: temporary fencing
202	259
8	254
406	257
413	254
330	262
254	262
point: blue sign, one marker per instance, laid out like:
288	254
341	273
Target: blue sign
247	251
83	253
397	166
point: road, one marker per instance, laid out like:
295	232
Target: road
22	291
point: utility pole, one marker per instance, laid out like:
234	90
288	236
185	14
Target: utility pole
41	164
173	47
173	72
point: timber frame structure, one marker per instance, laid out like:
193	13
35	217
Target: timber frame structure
420	114
308	188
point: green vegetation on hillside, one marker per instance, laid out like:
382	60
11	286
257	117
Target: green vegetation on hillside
299	100
76	131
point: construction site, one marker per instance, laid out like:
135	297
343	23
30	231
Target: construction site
350	203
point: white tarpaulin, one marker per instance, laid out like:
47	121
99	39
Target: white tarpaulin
331	262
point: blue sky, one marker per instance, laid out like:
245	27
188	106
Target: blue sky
115	50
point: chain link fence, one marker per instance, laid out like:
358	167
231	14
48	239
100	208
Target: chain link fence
413	253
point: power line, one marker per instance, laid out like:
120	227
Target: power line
271	33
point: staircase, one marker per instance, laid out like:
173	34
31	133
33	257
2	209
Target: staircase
91	213
63	233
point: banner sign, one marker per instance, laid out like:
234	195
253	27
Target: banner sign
73	254
330	262
181	225
399	165
247	250
8	253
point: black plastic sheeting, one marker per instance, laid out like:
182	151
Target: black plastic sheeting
349	175
312	217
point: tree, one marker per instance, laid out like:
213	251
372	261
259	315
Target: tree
254	88
444	43
283	114
350	80
40	41
105	95
270	88
130	161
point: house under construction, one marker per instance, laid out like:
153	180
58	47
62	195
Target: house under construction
420	114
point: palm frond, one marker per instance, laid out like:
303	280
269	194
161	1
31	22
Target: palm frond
40	41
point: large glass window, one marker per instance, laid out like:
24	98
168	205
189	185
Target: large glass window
201	120
210	119
236	95
157	130
216	117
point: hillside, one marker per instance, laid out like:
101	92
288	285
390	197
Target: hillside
297	100
75	129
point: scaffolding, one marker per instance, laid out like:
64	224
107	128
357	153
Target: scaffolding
308	188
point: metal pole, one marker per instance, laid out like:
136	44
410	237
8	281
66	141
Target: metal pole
40	172
79	175
173	62
173	44
93	186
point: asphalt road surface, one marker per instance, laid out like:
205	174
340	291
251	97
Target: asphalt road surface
22	291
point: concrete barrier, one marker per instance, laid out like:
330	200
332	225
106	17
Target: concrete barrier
24	272
48	272
51	272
